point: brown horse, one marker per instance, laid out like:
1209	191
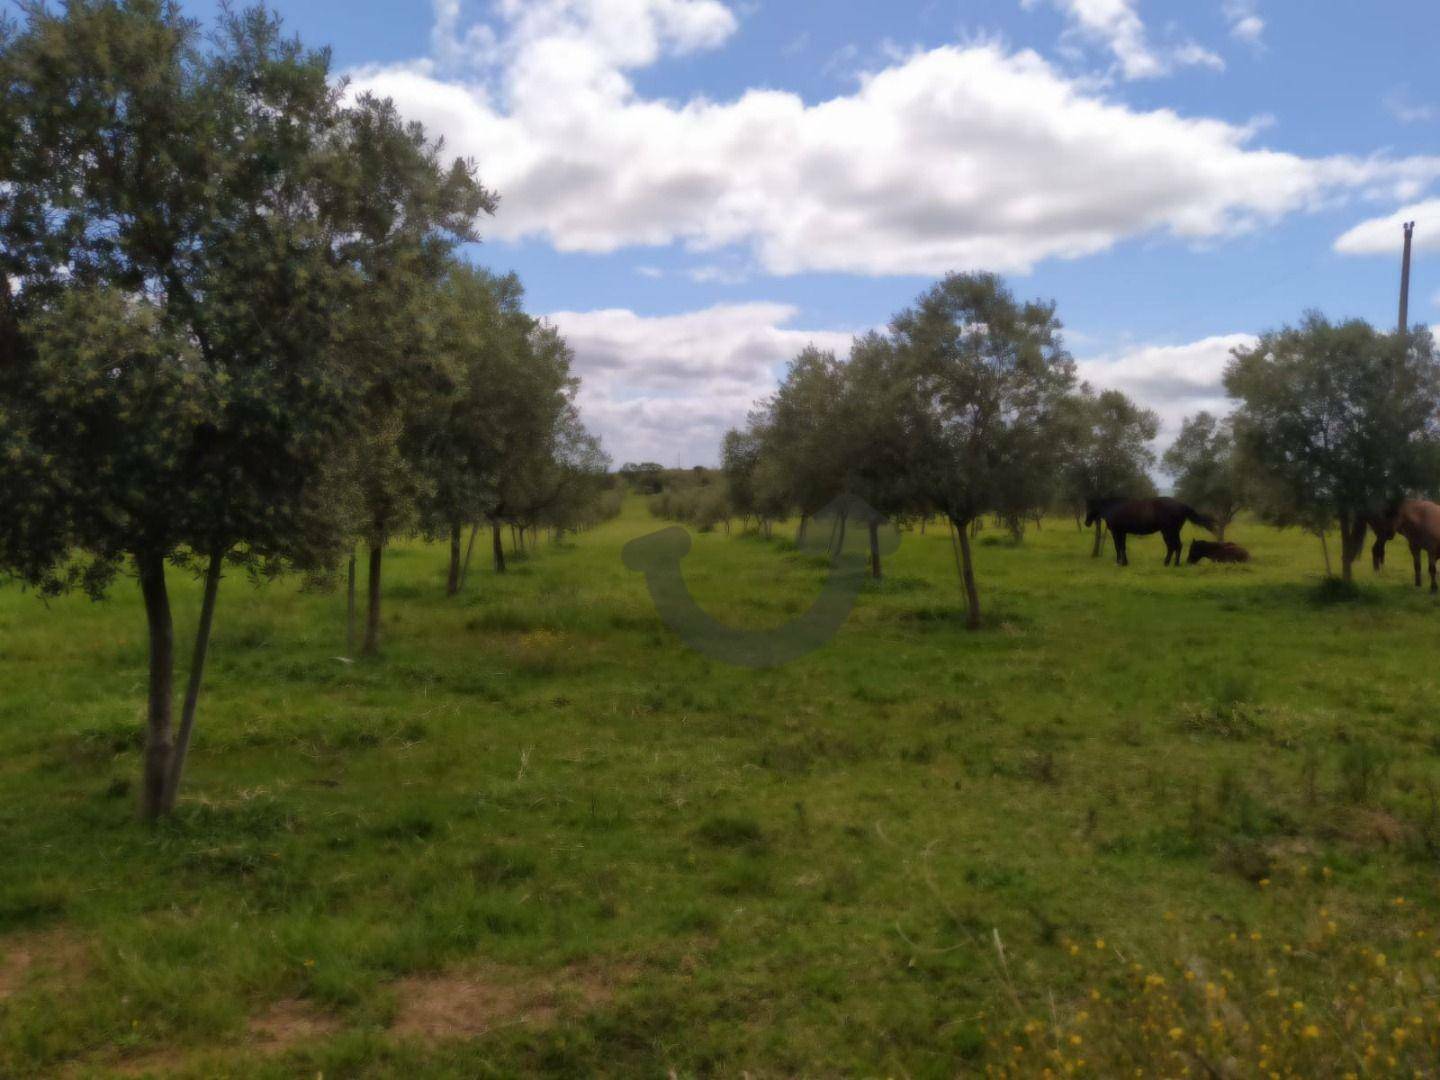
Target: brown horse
1383	526
1142	517
1418	520
1222	552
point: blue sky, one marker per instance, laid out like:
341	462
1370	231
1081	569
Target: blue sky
694	189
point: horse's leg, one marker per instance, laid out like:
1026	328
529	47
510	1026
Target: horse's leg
1434	557
1119	537
1415	554
1172	546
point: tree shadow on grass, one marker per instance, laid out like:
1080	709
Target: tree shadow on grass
1308	595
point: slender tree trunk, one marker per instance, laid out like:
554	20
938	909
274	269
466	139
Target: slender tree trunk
160	706
800	532
350	607
469	550
1099	539
972	595
1325	550
372	613
961	549
1221	524
498	547
452	582
1352	541
875	549
197	677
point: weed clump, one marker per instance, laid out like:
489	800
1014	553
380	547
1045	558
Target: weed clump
1245	1005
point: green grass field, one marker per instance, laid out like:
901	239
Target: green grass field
1183	821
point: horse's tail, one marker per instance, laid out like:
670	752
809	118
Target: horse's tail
1203	520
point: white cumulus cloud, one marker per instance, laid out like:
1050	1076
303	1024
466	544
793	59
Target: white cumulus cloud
1174	380
1383	235
952	158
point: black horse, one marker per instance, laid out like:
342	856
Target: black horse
1143	517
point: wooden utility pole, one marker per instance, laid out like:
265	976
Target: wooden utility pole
1405	280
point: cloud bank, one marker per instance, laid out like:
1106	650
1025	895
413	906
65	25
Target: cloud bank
958	157
952	158
665	388
1174	380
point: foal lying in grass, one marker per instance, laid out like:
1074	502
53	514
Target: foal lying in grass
1220	552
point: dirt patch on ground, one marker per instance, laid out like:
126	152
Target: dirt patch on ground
472	1001
1371	828
154	1063
280	1027
49	956
289	1023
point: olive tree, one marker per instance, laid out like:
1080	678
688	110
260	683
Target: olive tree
178	246
987	377
873	436
533	401
480	328
409	210
739	458
1338	420
803	445
1207	470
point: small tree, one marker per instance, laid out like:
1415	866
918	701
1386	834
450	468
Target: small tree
410	210
739	458
1339	420
803	440
182	220
987	378
533	402
481	328
874	437
1207	470
169	390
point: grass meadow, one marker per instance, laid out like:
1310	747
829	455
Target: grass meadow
1149	821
